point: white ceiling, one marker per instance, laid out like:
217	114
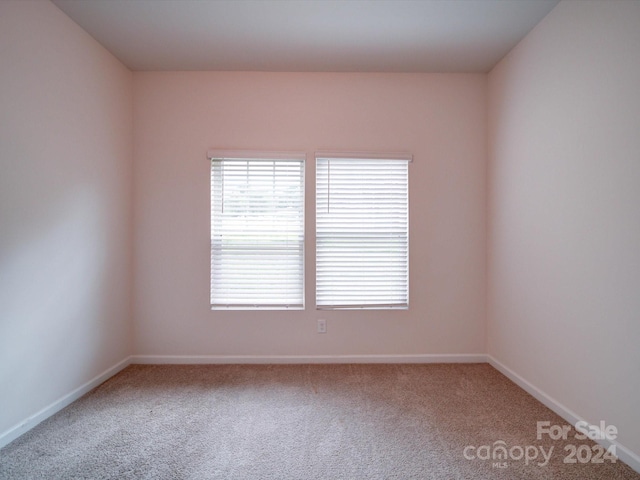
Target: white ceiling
309	35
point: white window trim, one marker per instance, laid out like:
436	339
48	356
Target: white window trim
406	156
255	154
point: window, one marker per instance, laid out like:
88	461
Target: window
257	230
362	237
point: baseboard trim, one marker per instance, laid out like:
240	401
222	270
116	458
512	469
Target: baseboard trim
302	359
26	425
623	453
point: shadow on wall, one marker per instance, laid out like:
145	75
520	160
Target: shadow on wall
53	276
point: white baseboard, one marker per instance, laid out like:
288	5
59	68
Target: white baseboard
622	452
626	455
26	425
301	359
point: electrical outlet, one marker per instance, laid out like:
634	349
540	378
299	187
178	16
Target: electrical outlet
322	325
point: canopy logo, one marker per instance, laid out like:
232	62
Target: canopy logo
499	453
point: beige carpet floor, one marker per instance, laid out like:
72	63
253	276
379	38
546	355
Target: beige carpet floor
302	422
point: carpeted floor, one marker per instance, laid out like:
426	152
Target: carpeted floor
302	422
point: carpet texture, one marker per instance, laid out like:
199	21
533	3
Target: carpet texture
302	422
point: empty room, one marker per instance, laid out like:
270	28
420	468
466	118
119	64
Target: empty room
320	239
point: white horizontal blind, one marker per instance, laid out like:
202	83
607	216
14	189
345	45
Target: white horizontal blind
362	227
257	233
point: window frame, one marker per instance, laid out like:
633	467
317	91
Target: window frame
266	156
407	158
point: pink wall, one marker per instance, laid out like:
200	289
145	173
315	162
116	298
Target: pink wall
564	212
563	264
440	118
65	177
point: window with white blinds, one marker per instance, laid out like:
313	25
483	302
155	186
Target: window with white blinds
257	231
362	232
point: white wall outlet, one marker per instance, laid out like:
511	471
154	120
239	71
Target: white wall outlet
322	325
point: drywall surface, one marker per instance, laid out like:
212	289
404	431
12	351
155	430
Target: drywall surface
439	118
564	216
65	200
